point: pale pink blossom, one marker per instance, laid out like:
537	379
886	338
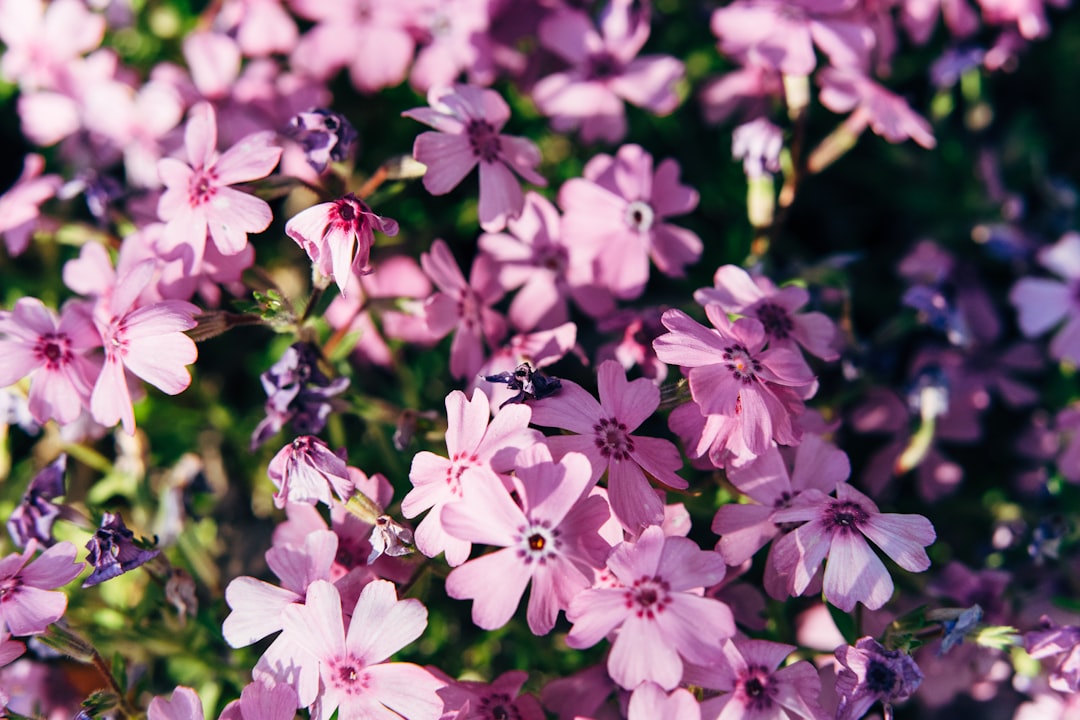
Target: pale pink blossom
199	201
1044	303
469	121
463	307
184	704
262	699
52	351
749	91
604	435
650	702
919	17
657	609
454	39
548	537
619	210
869	103
29	601
538	349
474	447
605	70
214	60
308	471
357	682
42	39
1028	16
20	206
261	27
338	236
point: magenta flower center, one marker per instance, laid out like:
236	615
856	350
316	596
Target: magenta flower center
203	187
776	320
468	308
741	363
52	350
845	516
754	688
648	596
459	463
9	588
537	542
498	706
880	678
484	140
639	216
347	675
612	439
602	65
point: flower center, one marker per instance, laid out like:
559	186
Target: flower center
741	363
202	188
537	542
484	140
52	350
639	216
602	65
776	320
845	516
651	596
347	675
612	439
468	308
755	688
498	706
880	678
459	463
8	589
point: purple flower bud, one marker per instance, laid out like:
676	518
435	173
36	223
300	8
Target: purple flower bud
113	551
34	516
297	393
871	674
324	134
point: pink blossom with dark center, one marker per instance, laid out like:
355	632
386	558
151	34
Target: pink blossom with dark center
604	435
871	674
52	351
838	528
307	471
338	236
28	599
499	700
755	686
732	375
199	201
470	120
20	206
605	71
619	210
660	617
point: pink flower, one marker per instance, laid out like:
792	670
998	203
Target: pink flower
756	687
52	351
1052	640
604	436
307	471
356	680
735	291
262	699
464	307
538	349
838	528
657	608
869	673
500	699
198	199
619	208
183	705
887	114
148	341
474	448
550	539
1044	303
469	120
338	236
42	40
749	91
455	40
547	270
731	375
20	205
650	702
28	603
261	27
605	71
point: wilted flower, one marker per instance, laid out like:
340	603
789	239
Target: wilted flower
324	135
873	674
306	471
113	551
297	392
33	517
389	537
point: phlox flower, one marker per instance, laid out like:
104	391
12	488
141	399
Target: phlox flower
469	121
550	539
28	601
308	471
538	349
731	375
638	327
33	517
838	528
604	71
500	699
755	686
184	704
919	18
463	306
356	680
650	702
112	551
9	651
42	40
603	434
148	341
619	210
455	39
324	135
262	700
546	270
261	27
1051	641
52	351
1044	303
869	103
582	694
338	236
749	91
20	205
871	674
735	291
199	201
657	608
1029	16
774	483
474	447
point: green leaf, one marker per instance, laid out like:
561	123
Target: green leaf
845	623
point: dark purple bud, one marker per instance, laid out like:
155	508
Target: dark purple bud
34	516
297	392
325	135
113	551
530	383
